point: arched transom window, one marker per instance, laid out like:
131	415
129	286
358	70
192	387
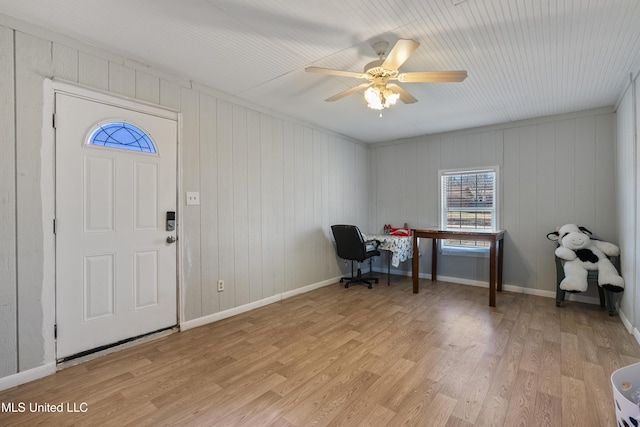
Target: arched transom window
121	135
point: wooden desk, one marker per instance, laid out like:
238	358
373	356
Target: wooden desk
495	239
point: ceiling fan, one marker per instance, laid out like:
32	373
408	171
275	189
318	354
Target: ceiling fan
379	93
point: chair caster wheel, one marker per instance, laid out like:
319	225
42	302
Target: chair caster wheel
341	280
346	286
370	287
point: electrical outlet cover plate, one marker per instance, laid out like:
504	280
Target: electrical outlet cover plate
193	198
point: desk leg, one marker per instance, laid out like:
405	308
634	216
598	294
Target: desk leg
389	268
500	258
492	274
434	259
414	264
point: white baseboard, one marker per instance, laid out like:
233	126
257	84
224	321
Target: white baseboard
626	322
310	288
27	376
521	290
505	287
204	320
636	335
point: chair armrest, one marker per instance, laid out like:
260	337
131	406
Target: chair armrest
371	245
375	242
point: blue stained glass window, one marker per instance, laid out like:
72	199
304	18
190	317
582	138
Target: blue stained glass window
122	135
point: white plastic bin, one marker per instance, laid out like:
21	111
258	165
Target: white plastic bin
625	381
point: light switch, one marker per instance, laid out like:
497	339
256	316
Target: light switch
193	198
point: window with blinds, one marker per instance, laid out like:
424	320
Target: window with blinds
468	202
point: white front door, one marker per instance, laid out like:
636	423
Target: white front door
115	267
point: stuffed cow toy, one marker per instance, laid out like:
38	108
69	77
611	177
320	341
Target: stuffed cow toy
580	254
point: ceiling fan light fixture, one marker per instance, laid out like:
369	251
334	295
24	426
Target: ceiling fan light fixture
379	99
390	98
378	73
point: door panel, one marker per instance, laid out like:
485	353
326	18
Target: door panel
145	196
98	286
115	270
98	194
146	279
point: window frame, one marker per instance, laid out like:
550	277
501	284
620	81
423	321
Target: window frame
98	127
469	250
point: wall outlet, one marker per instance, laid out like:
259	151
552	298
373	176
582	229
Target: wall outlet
193	198
220	285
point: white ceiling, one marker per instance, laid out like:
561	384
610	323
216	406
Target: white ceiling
525	58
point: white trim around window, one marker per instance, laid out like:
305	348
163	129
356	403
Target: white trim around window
469	199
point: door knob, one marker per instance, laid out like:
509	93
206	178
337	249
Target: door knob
171	239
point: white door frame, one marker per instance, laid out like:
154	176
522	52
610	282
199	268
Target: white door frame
48	196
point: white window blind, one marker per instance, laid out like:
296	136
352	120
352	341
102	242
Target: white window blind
468	202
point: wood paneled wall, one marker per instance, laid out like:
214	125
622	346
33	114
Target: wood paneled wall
8	269
270	187
628	178
553	171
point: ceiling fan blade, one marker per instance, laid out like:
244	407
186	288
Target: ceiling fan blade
348	91
433	76
331	72
400	53
405	96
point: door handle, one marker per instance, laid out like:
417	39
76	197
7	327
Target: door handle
171	239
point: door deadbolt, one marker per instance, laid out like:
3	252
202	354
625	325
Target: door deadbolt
171	221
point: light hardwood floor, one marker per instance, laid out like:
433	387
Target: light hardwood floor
347	357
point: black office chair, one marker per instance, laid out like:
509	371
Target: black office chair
351	246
